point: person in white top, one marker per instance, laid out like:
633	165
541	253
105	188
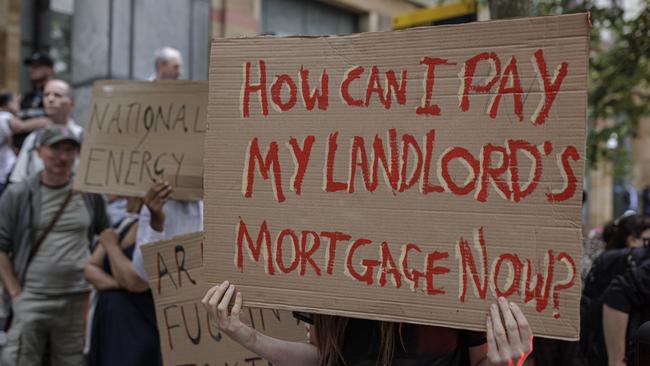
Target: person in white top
161	218
59	105
10	125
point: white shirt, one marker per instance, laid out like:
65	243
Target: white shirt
7	155
181	217
28	161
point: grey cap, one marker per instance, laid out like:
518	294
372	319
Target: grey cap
54	134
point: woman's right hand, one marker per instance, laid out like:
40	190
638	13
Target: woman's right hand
109	237
217	301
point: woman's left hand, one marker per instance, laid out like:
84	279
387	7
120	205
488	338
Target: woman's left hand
509	337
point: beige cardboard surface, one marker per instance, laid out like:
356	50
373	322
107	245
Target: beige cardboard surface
442	167
141	131
186	335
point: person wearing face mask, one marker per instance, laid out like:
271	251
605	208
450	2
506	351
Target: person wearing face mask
59	105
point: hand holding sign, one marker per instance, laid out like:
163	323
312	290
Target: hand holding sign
512	343
155	200
216	302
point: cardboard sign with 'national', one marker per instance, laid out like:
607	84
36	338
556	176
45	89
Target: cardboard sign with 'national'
187	336
140	132
404	176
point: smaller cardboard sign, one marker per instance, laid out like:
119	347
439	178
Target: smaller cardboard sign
186	335
140	132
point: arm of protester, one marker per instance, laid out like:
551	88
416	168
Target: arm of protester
95	273
19	126
8	276
121	266
625	292
614	328
155	199
7	235
20	172
276	351
509	337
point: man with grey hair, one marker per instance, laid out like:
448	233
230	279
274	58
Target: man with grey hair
168	64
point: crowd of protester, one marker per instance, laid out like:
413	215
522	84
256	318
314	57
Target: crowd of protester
76	290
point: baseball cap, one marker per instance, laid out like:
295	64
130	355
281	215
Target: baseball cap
39	58
55	134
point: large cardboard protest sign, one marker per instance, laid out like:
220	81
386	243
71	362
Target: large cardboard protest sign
139	132
403	176
186	335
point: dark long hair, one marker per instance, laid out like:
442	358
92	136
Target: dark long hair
330	337
616	233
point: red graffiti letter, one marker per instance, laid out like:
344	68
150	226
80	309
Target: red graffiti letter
321	95
517	266
471	162
467	260
295	253
305	254
367	275
433	270
510	72
351	75
427	108
410	143
570	152
334	238
276	92
248	88
331	185
470	69
301	158
494	173
263	237
514	146
551	88
270	162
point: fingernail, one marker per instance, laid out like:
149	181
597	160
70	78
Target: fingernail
231	286
494	307
513	305
225	284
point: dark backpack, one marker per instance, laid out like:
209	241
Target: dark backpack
607	266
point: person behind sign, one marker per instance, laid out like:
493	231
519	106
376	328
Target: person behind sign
625	308
353	342
11	125
168	64
58	107
124	330
45	235
40	69
624	252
